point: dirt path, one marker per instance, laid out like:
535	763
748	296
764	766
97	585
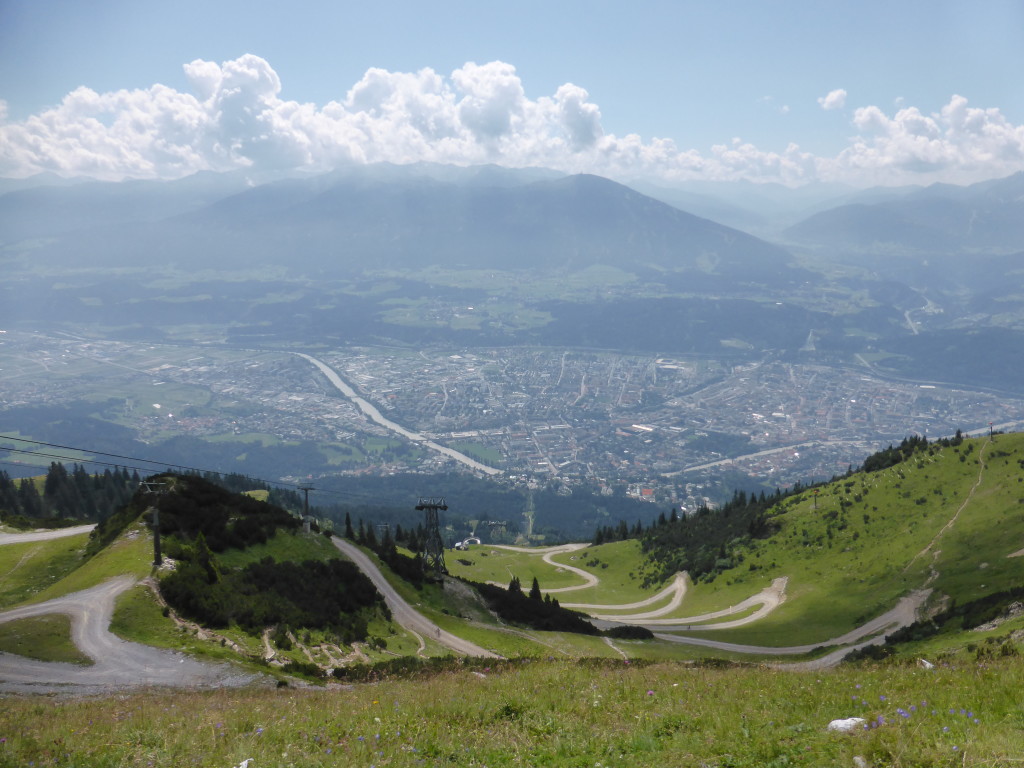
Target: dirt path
117	663
768	599
676	590
953	519
904	613
547	554
57	533
403	613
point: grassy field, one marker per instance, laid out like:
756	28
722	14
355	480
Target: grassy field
533	713
29	567
948	517
47	638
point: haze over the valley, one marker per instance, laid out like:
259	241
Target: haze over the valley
662	241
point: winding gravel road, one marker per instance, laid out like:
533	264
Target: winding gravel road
407	616
57	533
117	663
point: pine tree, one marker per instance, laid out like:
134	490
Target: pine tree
535	593
515	587
28	499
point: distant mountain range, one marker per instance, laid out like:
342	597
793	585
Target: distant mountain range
986	217
389	254
382	217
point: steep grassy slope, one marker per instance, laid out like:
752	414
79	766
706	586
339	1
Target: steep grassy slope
29	567
945	519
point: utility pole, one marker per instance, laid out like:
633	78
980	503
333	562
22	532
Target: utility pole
158	489
305	488
433	547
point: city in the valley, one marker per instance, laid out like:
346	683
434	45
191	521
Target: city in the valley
656	428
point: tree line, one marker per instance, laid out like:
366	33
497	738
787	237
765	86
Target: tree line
67	497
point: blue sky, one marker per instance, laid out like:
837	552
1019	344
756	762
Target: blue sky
731	89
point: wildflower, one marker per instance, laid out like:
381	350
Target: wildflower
650	693
259	731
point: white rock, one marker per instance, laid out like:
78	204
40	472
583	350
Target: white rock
847	725
925	663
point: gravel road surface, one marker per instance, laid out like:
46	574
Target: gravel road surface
117	663
403	613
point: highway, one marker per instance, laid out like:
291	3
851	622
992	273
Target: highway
370	410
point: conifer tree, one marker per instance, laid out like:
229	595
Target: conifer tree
535	593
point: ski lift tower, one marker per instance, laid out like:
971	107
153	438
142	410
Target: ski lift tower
433	546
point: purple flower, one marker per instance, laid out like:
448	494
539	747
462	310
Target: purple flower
650	693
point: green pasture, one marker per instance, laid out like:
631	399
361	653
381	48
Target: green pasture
131	554
497	565
482	453
540	712
838	583
46	638
29	567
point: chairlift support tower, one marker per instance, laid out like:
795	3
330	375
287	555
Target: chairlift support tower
306	488
433	546
158	489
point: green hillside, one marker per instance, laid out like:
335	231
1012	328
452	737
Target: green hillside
938	520
942	516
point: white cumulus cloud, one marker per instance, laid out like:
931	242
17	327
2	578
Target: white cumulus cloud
234	116
834	100
957	144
